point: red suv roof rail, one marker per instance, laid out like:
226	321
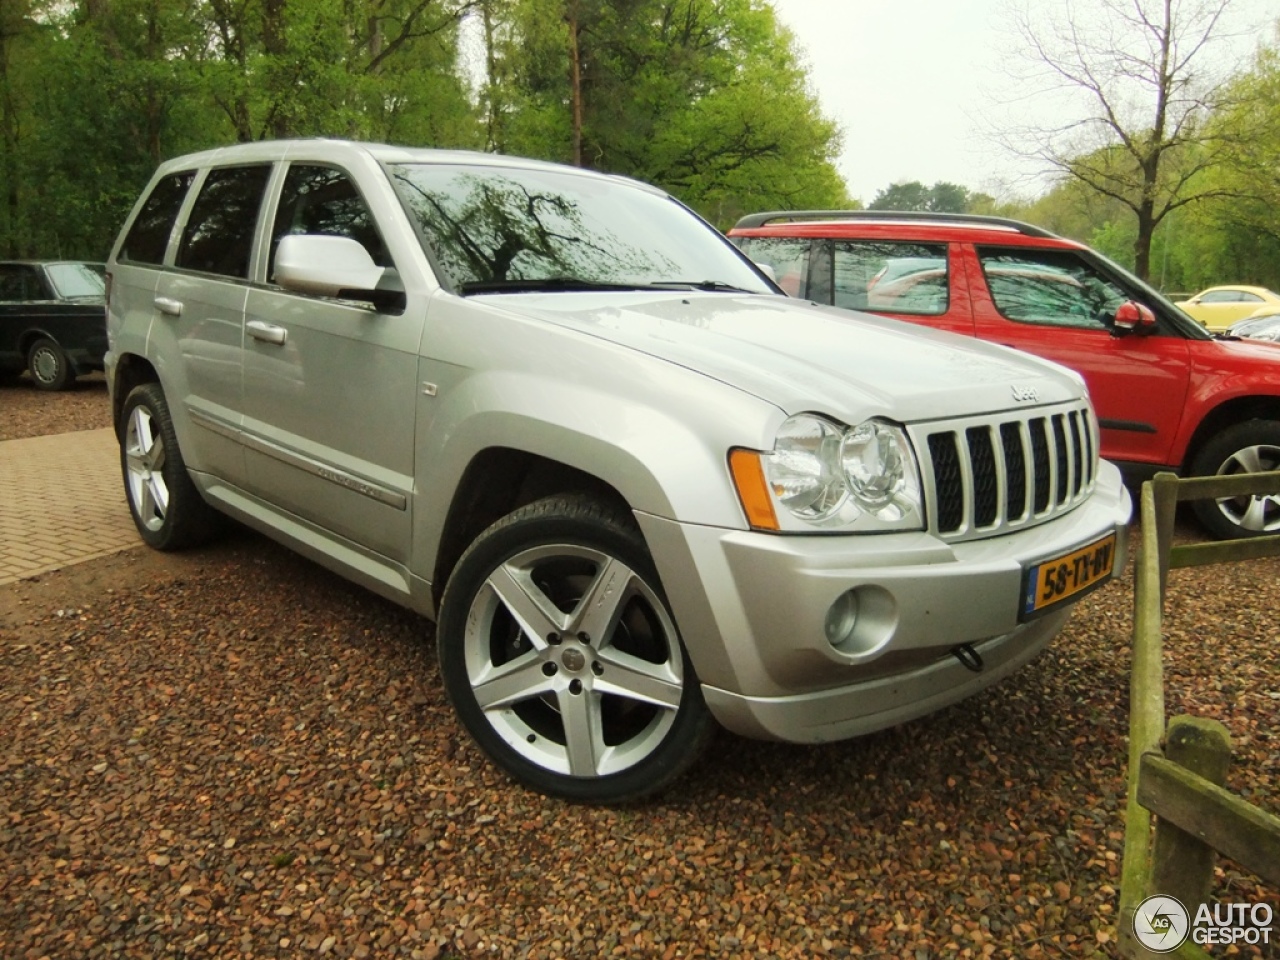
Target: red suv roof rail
792	216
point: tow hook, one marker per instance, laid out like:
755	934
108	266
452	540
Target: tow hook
968	656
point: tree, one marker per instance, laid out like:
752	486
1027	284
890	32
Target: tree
93	94
703	97
1148	82
1238	239
942	197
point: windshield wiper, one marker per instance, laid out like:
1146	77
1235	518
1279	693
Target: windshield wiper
557	284
571	284
717	286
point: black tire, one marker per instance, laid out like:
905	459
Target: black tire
1249	447
49	366
167	508
558	560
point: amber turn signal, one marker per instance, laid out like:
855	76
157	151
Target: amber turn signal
753	490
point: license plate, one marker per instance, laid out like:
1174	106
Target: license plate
1050	582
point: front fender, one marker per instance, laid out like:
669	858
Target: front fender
666	458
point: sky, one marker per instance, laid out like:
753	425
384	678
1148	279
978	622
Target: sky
916	86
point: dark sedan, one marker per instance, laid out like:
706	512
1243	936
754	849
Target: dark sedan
53	320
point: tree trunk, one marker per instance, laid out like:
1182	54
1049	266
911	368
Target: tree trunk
495	134
9	125
273	44
1142	243
575	81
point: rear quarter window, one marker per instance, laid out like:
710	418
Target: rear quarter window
148	237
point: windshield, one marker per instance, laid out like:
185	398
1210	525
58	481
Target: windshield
492	229
72	280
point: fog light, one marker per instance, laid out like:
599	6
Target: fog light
842	618
861	622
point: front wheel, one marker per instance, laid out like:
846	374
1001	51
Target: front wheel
1249	447
49	366
562	659
167	508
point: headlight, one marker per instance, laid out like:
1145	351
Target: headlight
804	470
879	469
827	476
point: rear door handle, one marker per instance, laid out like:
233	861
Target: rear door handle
266	332
167	306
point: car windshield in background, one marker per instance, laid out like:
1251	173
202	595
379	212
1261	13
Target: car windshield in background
507	229
74	280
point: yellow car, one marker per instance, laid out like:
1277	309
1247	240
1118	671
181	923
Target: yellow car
1219	307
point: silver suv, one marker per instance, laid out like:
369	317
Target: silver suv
638	488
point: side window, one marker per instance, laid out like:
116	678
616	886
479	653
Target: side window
219	234
324	201
148	237
14	282
1229	296
1050	288
893	277
787	258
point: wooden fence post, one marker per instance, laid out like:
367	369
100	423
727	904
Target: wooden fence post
1181	863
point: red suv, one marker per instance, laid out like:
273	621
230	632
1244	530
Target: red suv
1168	395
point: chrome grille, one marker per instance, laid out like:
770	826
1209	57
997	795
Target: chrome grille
986	475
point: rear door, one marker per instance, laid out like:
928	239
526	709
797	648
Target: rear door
1058	305
199	305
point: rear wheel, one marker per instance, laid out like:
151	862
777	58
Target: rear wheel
167	508
562	659
49	366
1249	447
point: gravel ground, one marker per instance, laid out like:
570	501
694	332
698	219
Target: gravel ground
28	412
233	753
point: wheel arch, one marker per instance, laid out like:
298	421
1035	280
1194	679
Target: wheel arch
27	339
497	481
1225	415
131	371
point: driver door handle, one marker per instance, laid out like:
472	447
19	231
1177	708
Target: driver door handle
266	332
172	308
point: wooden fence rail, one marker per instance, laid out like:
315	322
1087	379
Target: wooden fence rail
1177	772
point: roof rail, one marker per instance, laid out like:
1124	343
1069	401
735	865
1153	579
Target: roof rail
793	216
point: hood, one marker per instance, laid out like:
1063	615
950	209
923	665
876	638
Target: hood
806	358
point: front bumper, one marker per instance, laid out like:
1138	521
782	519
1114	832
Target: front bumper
753	611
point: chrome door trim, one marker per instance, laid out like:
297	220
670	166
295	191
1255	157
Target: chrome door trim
343	478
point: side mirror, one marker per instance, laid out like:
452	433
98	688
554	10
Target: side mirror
329	267
767	270
1132	317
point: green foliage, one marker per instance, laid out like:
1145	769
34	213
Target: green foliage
705	98
99	93
942	197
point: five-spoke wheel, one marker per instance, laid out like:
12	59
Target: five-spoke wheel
167	509
562	658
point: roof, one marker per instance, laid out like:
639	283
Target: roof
829	222
321	149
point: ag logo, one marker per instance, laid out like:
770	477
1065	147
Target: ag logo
1161	923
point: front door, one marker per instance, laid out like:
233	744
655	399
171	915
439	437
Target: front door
331	385
1057	305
